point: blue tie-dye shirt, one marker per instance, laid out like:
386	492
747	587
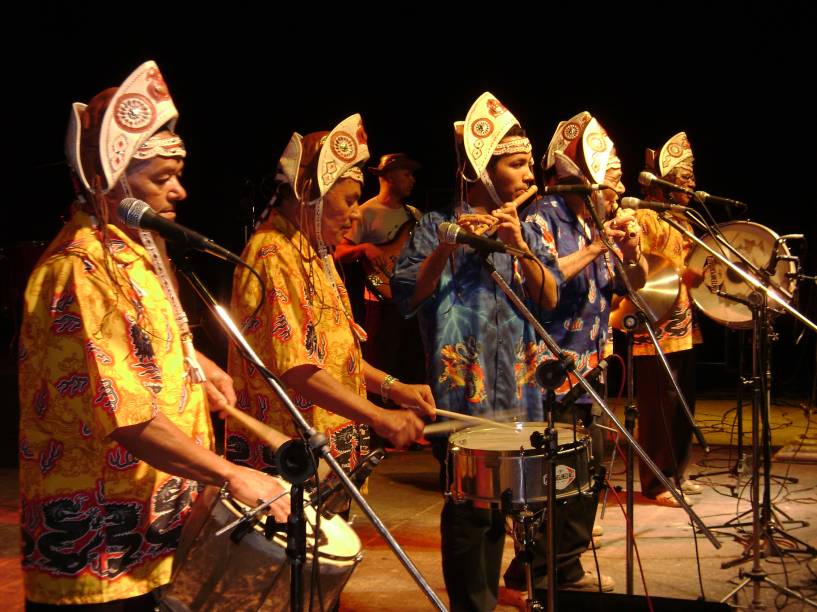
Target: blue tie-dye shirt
481	355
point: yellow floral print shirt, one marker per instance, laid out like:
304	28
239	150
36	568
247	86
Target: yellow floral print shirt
677	330
97	523
303	321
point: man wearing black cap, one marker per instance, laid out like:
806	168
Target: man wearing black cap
385	224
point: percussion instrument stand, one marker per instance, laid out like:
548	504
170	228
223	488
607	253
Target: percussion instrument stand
762	520
567	363
315	440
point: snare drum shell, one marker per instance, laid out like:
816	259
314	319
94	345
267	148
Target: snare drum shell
486	461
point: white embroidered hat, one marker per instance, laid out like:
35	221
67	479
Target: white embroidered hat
486	124
581	148
676	153
312	164
116	127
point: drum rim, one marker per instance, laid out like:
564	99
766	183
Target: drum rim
280	539
580	431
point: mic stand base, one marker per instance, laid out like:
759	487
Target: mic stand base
761	541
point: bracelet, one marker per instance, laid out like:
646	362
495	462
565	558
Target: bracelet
385	386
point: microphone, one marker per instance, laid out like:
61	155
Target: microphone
581	189
649	179
331	491
703	196
635	204
578	390
451	233
139	215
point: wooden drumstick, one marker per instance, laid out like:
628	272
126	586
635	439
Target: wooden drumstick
269	435
473	419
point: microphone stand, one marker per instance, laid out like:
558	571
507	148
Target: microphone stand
314	440
763	522
569	366
642	317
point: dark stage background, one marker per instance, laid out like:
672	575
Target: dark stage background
739	81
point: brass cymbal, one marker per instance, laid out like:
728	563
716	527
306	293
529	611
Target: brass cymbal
658	293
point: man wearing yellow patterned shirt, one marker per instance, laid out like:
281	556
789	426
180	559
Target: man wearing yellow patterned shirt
114	430
664	431
305	332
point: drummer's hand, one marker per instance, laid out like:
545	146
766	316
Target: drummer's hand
400	427
219	386
249	486
414	397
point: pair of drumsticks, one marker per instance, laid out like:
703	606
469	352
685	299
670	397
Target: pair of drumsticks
274	438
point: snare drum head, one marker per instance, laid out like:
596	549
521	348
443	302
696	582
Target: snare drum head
491	438
756	242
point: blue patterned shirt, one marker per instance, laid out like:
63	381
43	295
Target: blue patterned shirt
580	322
481	355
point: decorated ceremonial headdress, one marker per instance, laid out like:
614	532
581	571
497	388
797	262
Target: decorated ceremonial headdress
118	125
676	153
480	137
312	164
581	148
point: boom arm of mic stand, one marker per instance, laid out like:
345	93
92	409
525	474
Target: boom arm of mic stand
557	351
316	440
647	318
750	279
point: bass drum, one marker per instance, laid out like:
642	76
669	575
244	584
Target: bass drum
756	242
216	573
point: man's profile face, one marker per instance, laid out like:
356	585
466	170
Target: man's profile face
683	178
402	181
155	181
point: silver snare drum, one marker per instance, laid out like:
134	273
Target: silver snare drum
214	573
485	461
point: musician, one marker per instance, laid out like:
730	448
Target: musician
387	220
481	354
305	332
114	426
664	431
581	152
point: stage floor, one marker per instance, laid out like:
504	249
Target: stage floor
403	492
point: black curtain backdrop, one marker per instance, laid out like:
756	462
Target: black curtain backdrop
739	80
